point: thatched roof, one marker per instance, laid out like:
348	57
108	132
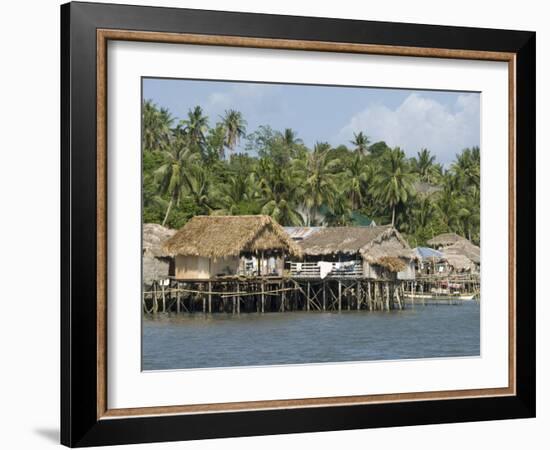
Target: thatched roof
344	240
445	239
219	236
464	248
460	263
388	250
300	233
154	236
382	245
155	263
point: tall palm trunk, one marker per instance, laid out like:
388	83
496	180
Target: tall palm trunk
393	216
168	211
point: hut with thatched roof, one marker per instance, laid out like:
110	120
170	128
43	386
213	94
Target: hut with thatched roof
463	256
430	261
157	264
445	240
211	246
364	252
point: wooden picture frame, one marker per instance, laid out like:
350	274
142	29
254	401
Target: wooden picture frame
85	417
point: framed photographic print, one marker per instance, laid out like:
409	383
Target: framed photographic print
277	224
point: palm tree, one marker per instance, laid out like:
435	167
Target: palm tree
290	138
279	192
174	173
339	212
319	179
195	126
421	213
235	128
238	193
355	179
424	165
156	127
393	184
215	140
198	187
451	206
361	142
466	169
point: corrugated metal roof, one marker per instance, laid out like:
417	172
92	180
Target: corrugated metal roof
428	253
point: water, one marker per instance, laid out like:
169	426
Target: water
194	340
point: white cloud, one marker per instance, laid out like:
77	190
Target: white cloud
420	122
248	98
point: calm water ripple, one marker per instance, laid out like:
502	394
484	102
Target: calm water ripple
194	341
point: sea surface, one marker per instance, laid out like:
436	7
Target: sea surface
197	341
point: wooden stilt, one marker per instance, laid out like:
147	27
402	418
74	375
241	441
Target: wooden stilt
339	296
263	297
155	301
358	296
307	297
238	299
369	296
209	297
324	297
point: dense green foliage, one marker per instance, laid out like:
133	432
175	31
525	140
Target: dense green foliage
190	167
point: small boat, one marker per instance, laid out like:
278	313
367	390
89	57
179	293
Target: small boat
440	296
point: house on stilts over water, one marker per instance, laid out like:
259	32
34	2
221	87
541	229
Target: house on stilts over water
373	252
157	264
251	263
450	273
209	247
352	267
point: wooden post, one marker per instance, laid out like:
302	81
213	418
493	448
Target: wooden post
387	296
163	297
369	296
339	296
307	297
178	298
209	297
283	299
398	296
358	296
203	300
155	301
324	296
263	297
238	299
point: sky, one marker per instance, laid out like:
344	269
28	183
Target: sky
445	122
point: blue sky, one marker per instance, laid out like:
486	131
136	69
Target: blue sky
443	122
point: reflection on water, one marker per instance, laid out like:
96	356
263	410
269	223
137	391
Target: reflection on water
194	340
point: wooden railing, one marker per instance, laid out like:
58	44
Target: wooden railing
351	269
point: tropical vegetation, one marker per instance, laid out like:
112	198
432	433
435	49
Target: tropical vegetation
192	167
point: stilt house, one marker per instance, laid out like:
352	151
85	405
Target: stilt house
157	264
358	252
214	246
461	254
